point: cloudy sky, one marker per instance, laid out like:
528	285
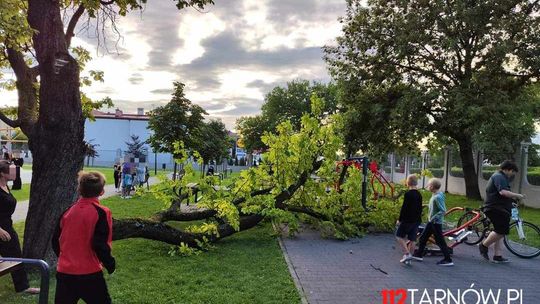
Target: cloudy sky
229	56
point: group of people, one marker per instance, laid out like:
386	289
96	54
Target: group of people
497	207
127	177
83	236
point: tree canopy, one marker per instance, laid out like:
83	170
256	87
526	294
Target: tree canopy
282	104
214	142
458	69
35	43
178	120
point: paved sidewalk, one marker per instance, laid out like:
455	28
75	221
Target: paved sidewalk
22	207
331	271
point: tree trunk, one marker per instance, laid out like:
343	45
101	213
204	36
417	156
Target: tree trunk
469	172
57	140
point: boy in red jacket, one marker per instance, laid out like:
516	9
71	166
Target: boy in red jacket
83	241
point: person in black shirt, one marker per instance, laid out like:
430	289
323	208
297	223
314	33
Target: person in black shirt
116	176
409	218
9	240
498	208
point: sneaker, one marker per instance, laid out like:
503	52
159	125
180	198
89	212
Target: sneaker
445	262
417	257
406	257
500	260
31	290
483	251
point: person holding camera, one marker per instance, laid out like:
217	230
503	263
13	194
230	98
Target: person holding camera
9	239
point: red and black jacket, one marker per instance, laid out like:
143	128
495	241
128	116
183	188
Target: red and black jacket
83	238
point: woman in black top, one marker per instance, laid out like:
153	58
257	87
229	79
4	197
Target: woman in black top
9	240
117	173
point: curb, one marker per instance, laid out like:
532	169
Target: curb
292	270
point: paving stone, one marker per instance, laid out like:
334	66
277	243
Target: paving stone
329	273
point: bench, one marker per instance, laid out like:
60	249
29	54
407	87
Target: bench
7	267
9	264
194	188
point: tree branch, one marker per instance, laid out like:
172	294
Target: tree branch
73	23
148	229
10	122
26	77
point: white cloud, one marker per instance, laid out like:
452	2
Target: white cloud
228	57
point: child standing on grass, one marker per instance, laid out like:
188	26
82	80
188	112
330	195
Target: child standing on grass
83	242
409	218
127	186
437	209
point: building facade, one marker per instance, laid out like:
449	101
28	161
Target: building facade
110	132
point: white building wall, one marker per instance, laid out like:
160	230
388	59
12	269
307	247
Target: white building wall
112	134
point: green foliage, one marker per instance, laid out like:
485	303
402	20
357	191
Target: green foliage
136	147
213	141
252	129
291	158
15	31
465	70
179	120
283	104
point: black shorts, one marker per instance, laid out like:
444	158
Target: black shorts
407	230
500	220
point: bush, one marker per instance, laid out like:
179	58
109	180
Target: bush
456	172
437	172
534	178
415	171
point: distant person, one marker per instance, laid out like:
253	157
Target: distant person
5	152
410	218
83	243
127	180
141	173
127	185
498	208
210	171
437	209
146	175
116	174
9	239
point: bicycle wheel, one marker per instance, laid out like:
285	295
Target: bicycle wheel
526	247
478	229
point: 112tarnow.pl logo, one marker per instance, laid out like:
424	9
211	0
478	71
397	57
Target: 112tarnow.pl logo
470	295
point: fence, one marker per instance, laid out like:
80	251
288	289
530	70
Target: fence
446	165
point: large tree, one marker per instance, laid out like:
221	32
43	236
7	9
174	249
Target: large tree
281	104
178	120
213	142
36	44
456	67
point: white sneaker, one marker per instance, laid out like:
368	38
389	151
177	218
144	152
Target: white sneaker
406	257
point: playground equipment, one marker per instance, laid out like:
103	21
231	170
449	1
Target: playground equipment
362	163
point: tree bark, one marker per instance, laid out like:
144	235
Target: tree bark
57	139
470	174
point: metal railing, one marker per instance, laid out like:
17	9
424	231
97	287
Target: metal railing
44	270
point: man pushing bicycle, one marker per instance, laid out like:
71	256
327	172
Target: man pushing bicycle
498	208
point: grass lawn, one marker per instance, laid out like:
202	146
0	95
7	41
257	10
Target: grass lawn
23	194
245	268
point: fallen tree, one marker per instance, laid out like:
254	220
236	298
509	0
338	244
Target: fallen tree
281	189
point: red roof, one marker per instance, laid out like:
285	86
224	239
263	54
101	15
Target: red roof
119	115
